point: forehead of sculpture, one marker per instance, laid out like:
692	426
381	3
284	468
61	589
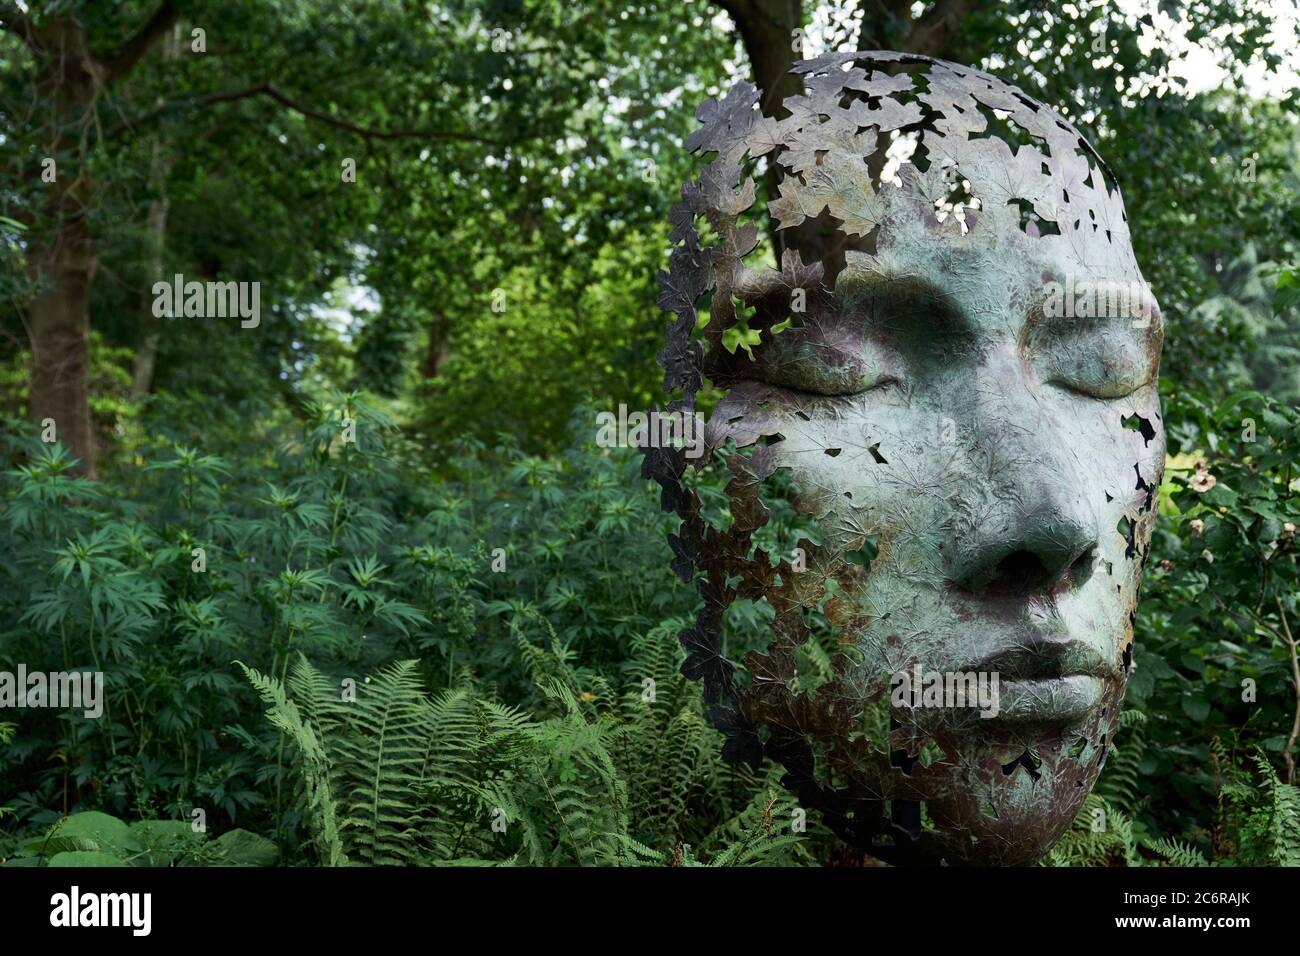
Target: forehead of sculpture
879	142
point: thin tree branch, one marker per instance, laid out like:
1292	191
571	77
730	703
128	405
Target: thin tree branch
269	91
122	60
371	132
190	103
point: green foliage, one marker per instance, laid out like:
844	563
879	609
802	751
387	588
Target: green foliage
113	411
1258	825
396	776
1213	656
550	693
161	586
97	839
1269	829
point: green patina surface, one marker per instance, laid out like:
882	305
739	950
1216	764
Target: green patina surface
968	383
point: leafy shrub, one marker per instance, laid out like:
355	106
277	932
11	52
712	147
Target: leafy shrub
297	543
97	839
1215	660
1257	825
525	683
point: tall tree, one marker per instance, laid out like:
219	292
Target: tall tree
69	79
97	117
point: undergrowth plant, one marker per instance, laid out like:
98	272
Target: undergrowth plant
394	775
532	604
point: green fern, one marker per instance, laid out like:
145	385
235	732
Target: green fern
1118	783
760	842
394	776
391	774
285	715
1178	853
1101	835
1271	829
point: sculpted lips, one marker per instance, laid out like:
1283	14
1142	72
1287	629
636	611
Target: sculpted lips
1038	658
1055	700
1042	680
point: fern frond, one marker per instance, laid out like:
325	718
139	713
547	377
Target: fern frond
1177	853
284	714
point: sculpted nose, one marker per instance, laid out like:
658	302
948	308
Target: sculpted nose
1045	550
1022	520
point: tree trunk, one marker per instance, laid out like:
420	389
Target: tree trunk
59	321
438	351
160	164
146	353
767	29
61	257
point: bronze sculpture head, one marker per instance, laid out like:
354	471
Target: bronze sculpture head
950	359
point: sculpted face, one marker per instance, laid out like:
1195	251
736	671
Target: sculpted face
953	374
